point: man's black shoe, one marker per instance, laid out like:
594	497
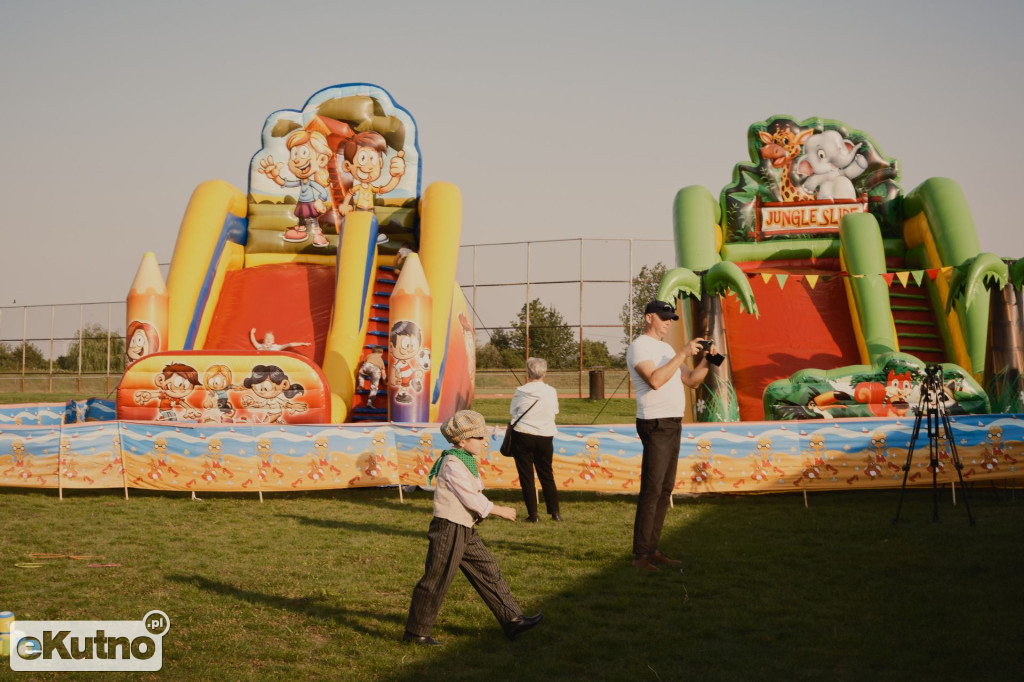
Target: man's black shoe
521	624
556	516
531	519
420	639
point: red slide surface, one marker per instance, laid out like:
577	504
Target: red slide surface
292	301
798	328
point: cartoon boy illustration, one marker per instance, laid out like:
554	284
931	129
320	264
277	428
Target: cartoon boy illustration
406	373
364	160
175	383
308	156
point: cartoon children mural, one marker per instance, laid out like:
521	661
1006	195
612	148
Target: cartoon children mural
143	339
217	381
364	161
308	156
272	391
175	383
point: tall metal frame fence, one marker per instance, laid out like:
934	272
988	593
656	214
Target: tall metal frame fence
588	282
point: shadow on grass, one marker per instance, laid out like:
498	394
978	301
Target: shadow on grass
312	606
771	590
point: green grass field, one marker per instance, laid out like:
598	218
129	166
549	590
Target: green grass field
317	585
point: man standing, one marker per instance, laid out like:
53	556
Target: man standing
658	373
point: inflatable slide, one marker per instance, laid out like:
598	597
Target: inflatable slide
333	267
830	292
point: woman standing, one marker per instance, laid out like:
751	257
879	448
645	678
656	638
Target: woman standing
533	444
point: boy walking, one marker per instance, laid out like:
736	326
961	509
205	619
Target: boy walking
454	544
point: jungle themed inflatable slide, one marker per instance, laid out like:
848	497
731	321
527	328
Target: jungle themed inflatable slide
830	292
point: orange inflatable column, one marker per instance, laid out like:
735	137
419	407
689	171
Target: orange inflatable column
146	311
409	345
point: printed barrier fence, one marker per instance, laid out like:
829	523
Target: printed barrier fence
42	452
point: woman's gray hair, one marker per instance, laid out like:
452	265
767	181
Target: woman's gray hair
536	368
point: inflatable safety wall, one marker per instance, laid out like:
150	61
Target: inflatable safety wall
812	269
253	458
306	262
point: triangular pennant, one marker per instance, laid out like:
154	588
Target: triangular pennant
766	276
946	270
933	273
812	280
782	280
918	276
903	277
887	276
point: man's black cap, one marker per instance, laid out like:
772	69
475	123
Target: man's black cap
662	310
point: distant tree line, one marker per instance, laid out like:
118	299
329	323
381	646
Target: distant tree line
552	339
94	344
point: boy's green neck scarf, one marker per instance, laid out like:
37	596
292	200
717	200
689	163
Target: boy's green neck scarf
464	456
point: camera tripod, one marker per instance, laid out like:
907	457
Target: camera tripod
932	408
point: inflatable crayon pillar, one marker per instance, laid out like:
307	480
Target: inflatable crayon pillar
409	345
146	311
6	620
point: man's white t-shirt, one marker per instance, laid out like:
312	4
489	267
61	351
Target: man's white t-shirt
669	401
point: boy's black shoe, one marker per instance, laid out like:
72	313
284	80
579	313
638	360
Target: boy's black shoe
420	639
521	624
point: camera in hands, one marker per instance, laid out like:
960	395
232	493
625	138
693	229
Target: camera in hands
715	359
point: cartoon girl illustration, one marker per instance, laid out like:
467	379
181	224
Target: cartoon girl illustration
143	339
217	381
308	156
272	390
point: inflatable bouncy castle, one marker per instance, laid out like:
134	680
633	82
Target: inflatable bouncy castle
324	294
831	293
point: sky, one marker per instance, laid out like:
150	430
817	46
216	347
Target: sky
555	119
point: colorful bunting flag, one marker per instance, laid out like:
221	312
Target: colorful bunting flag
903	277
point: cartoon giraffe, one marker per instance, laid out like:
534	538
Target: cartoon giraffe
996	441
816	450
265	452
591	463
702	471
115	458
880	445
66	458
783	148
18	453
424	457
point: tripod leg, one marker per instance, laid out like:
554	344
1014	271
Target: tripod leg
910	456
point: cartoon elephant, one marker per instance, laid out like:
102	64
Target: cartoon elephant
830	161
